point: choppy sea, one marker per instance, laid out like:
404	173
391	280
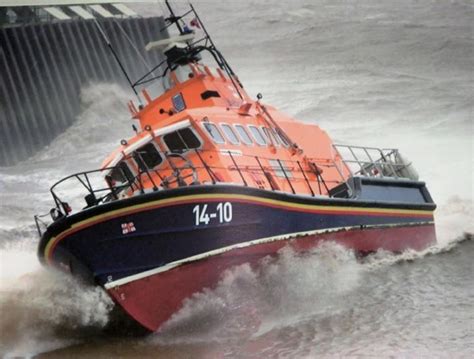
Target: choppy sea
377	73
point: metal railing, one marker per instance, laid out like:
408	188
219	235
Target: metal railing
245	170
308	177
96	194
371	161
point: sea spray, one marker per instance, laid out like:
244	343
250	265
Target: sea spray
42	310
279	291
104	120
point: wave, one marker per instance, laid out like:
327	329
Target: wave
281	292
383	258
278	292
44	310
102	122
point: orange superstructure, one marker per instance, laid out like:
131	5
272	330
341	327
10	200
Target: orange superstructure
203	129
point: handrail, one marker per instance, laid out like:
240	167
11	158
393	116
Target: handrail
300	173
63	206
294	176
385	163
39	222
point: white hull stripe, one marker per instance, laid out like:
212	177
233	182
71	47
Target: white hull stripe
218	251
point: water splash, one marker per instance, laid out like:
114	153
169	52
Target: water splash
454	218
383	258
103	121
280	291
44	310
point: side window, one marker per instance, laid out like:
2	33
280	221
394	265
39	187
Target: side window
230	134
280	171
147	157
271	136
189	138
280	137
181	141
244	136
258	136
265	135
214	132
122	173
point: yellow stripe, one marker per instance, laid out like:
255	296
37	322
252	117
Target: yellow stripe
237	197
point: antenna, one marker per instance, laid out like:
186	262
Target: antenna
187	49
117	59
173	18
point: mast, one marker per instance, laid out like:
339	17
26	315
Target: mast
173	18
177	56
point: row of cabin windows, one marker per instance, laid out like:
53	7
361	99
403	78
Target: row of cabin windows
237	134
148	156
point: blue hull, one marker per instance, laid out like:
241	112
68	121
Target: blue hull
122	238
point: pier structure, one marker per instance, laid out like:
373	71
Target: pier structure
50	50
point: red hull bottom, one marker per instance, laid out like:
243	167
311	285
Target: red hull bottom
152	300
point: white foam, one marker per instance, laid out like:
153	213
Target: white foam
249	302
43	310
281	292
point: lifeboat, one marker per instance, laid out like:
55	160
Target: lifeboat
213	178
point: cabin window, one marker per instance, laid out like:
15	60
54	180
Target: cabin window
214	132
265	135
147	157
182	140
230	134
178	102
275	137
271	136
244	136
281	170
122	173
279	136
258	136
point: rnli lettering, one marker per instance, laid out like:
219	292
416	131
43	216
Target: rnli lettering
222	214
